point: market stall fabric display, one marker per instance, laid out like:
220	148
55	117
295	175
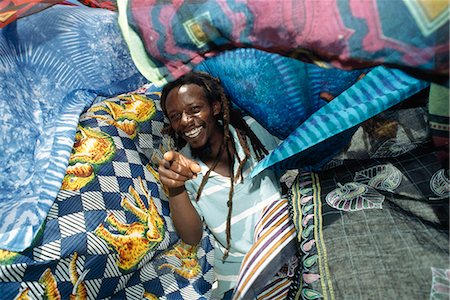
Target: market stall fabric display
81	136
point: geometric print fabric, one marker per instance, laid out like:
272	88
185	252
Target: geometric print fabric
69	246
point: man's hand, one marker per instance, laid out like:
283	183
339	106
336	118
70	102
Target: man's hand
174	169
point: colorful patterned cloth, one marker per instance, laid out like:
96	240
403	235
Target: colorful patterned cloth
374	225
109	233
328	131
11	10
53	65
167	39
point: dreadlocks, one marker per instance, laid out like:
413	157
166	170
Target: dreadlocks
214	91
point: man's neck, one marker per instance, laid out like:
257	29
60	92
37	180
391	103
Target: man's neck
213	146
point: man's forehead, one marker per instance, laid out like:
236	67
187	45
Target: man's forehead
183	89
191	88
188	91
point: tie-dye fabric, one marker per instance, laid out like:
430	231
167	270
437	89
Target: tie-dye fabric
52	65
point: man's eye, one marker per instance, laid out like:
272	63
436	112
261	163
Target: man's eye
195	109
175	117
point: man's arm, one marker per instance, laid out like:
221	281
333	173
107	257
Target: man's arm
174	169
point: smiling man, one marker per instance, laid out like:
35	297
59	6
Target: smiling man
207	175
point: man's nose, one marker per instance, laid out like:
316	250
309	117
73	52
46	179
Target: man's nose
185	118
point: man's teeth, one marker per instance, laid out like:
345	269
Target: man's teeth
193	133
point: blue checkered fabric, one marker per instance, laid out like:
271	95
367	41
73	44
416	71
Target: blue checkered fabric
68	243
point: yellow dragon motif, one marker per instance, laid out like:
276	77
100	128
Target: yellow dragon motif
128	126
187	254
79	291
91	148
51	292
134	240
150	296
156	175
7	257
136	107
23	295
126	116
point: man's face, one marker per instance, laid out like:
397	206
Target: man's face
192	116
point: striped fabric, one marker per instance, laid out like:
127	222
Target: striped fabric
276	290
311	144
307	217
274	245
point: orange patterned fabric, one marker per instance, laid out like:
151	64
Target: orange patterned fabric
111	5
11	10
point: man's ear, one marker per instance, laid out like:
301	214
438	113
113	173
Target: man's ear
216	106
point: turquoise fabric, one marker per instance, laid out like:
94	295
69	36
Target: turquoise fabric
278	91
329	129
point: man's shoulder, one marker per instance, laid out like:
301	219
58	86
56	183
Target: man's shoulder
266	138
254	125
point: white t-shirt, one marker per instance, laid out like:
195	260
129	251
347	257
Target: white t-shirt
249	198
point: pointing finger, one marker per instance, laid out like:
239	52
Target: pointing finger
170	155
195	168
182	160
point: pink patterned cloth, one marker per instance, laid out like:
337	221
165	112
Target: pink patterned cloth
349	34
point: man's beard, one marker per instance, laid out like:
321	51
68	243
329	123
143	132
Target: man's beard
204	151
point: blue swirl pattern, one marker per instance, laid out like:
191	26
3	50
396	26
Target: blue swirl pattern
53	64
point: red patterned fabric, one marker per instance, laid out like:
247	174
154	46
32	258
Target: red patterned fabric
110	5
350	34
11	10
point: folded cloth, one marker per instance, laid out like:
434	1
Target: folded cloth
274	246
